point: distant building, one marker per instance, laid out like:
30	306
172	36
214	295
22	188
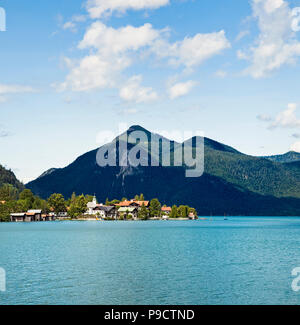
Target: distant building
133	203
35	215
103	211
29	216
18	217
91	207
192	216
166	210
106	211
130	211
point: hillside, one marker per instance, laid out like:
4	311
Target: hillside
8	177
233	183
288	157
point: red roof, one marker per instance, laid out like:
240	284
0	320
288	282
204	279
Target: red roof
167	209
129	203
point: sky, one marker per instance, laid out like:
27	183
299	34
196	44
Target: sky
72	71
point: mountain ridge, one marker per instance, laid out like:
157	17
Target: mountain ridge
251	185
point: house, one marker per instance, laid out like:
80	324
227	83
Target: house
35	215
128	211
18	217
166	210
30	215
104	211
133	203
192	216
47	217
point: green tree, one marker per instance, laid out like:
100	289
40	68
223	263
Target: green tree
155	208
142	198
8	192
143	213
137	198
57	203
89	198
174	212
107	202
78	207
183	211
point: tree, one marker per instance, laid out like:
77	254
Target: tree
115	202
137	198
89	198
28	198
142	197
8	192
183	211
57	203
107	202
174	212
124	199
143	213
78	207
155	208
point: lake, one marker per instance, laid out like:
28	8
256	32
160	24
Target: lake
239	261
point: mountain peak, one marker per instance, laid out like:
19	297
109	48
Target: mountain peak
137	128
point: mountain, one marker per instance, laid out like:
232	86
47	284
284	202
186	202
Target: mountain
288	157
233	183
8	177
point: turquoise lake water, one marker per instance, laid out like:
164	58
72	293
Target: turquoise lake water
239	261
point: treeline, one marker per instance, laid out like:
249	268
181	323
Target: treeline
183	211
12	200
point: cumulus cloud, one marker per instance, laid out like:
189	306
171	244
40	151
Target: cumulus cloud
100	8
180	89
132	91
110	41
13	89
287	118
192	51
277	42
113	50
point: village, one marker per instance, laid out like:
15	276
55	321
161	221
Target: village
124	210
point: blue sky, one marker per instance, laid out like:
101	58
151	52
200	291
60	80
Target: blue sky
72	69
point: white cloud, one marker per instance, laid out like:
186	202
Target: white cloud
99	8
241	35
13	89
108	40
112	50
192	51
277	43
134	92
180	89
113	54
296	146
287	118
94	72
